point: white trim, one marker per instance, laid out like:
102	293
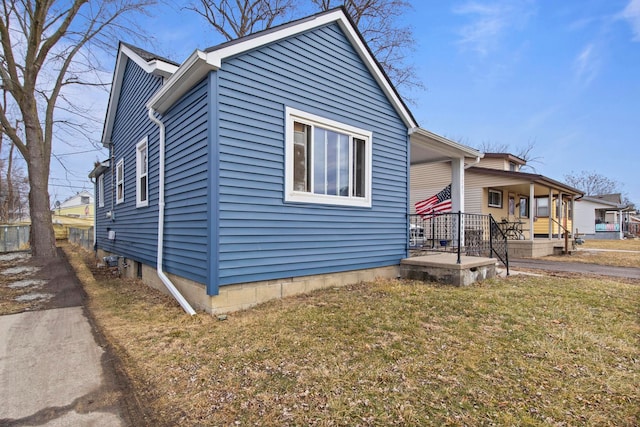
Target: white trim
200	63
118	180
101	191
142	145
290	195
190	72
156	67
448	148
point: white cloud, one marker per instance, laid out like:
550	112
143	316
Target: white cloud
587	64
631	13
490	21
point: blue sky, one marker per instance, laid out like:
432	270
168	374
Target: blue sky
563	75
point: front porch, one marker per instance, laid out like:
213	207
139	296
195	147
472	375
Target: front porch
462	235
537	248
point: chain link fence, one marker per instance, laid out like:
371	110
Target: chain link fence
14	238
81	237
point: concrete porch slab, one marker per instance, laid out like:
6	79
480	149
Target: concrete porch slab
443	268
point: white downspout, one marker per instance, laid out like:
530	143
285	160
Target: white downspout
170	286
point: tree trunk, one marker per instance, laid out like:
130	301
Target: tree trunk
42	238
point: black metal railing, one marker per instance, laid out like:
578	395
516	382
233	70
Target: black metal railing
459	233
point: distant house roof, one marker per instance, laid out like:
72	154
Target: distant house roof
613	201
507	156
539	179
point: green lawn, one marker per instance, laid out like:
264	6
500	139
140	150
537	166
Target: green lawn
516	351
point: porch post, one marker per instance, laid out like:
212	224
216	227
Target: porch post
457	185
573	214
551	209
532	210
457	191
561	212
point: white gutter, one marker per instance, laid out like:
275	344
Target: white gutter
476	161
170	286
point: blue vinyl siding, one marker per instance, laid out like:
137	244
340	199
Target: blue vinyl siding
186	232
136	228
260	236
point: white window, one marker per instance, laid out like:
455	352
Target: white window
101	191
326	161
495	198
142	167
542	206
120	181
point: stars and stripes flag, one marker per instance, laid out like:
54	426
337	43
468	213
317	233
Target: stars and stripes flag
437	203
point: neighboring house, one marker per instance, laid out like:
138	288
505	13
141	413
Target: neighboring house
530	206
77	211
601	217
267	166
77	206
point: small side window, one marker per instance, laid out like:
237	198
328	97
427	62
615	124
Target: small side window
120	181
142	184
495	198
542	206
101	191
524	207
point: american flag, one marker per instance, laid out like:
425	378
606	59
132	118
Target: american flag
437	203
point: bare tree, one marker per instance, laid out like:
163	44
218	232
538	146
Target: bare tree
592	183
525	152
376	20
234	19
48	47
391	43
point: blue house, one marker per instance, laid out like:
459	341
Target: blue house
267	166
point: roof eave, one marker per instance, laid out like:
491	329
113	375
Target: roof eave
448	148
156	67
200	63
194	69
99	169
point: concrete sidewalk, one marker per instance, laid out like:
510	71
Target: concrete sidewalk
51	370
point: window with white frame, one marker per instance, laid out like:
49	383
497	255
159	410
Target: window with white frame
524	207
101	191
142	167
326	161
120	181
495	198
542	206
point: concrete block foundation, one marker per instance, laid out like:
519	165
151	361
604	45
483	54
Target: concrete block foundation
241	296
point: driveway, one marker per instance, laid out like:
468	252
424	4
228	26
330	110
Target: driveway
53	369
574	267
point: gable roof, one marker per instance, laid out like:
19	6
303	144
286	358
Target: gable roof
506	156
202	62
531	177
149	62
607	200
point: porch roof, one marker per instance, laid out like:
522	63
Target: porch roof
528	177
428	147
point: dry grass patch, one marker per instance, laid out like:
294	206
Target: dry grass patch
516	351
615	259
589	253
627	244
